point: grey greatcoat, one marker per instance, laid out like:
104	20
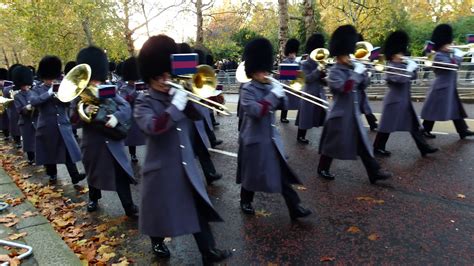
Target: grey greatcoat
398	113
343	128
100	153
27	120
262	164
203	123
135	136
172	186
293	101
362	95
442	102
4	122
311	115
54	135
13	115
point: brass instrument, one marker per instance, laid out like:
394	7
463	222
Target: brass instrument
429	62
202	85
363	50
467	47
4	104
321	56
294	88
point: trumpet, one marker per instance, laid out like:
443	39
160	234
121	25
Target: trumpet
202	85
294	88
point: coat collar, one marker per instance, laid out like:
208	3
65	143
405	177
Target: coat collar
259	85
161	96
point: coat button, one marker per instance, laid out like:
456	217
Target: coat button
273	125
179	129
273	138
57	114
271	112
107	142
184	163
181	146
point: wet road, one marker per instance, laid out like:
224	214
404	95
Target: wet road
417	217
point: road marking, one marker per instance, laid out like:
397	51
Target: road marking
228	153
439	133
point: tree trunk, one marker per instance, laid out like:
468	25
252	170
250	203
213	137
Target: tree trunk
146	19
87	31
128	33
17	61
199	30
6	57
308	16
283	32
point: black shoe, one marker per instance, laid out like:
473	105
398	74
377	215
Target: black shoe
134	158
210	178
302	140
466	133
53	179
373	128
428	150
76	179
382	152
427	134
18	146
299	212
284	121
6	138
161	250
379	175
92	206
247	208
326	175
215	124
132	211
216	143
31	162
215	255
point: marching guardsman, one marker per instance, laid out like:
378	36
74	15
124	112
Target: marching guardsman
344	136
311	115
119	82
54	143
174	200
364	99
135	136
291	49
4	82
201	140
105	159
75	122
398	112
13	116
23	79
443	102
262	166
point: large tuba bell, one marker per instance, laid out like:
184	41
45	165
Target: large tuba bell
321	56
363	50
74	84
4	104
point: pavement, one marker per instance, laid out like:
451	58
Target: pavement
423	215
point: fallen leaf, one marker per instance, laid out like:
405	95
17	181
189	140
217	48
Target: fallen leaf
28	214
4	258
353	230
15	262
104	249
107	256
327	258
262	213
461	196
373	237
300	187
17	236
101	228
12	223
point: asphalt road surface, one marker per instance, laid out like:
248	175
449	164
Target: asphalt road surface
424	214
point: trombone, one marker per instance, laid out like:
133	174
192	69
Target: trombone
295	87
429	62
202	85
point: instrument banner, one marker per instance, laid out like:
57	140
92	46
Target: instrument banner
7	83
183	64
140	86
429	45
107	91
375	54
288	71
470	38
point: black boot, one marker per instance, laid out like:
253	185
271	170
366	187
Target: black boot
301	137
427	150
53	179
466	133
216	143
161	250
210	178
382	152
379	175
77	178
131	211
134	158
247	208
326	174
427	134
283	116
215	255
299	212
92	206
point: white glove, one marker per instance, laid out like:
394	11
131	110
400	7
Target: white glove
458	52
50	91
359	68
411	66
112	122
277	88
91	109
29	107
180	99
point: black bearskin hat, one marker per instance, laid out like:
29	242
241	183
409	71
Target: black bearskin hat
292	46
258	56
3	74
96	59
442	35
343	41
155	56
184	48
360	38
69	65
10	71
201	55
314	41
112	66
119	69
49	67
130	69
396	42
22	76
209	60
33	70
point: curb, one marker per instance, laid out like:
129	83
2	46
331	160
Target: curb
48	246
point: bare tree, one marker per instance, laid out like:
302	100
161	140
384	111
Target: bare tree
283	29
199	8
308	17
